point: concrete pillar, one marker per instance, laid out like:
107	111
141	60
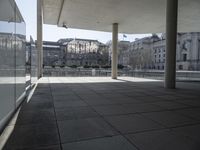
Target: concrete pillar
39	44
114	50
171	38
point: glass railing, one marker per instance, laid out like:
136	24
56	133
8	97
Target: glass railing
84	72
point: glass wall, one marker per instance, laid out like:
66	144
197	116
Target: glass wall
12	59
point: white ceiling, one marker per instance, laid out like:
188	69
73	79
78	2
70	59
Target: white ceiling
133	16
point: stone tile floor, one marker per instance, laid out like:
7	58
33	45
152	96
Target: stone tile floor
90	113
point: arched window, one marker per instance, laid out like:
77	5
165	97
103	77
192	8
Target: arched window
184	57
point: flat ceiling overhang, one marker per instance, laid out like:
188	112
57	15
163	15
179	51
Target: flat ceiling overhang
133	16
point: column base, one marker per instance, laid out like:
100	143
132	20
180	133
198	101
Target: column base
115	78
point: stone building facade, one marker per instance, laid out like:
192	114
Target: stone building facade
187	55
53	53
123	52
78	52
82	52
150	52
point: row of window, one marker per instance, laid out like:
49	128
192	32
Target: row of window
159	61
159	50
159	55
184	58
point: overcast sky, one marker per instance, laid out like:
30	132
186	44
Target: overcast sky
53	33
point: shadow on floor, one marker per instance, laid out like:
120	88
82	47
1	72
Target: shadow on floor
103	115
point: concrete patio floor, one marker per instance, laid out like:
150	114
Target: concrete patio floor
91	113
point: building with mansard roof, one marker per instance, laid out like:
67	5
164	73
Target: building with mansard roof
77	52
82	52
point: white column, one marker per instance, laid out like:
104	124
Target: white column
39	44
114	50
171	38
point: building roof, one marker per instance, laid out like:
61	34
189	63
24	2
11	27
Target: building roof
51	43
88	40
78	40
62	41
133	16
126	42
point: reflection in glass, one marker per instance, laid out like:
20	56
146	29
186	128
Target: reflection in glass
12	58
20	52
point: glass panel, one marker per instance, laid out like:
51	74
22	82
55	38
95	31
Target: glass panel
20	46
7	59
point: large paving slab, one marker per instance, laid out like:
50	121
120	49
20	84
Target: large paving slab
170	105
192	131
35	117
70	103
169	118
70	113
162	140
190	112
133	123
33	136
107	143
82	129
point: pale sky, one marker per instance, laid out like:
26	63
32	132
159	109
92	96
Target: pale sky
54	33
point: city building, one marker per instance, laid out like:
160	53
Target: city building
53	54
150	52
75	52
187	55
123	51
82	52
